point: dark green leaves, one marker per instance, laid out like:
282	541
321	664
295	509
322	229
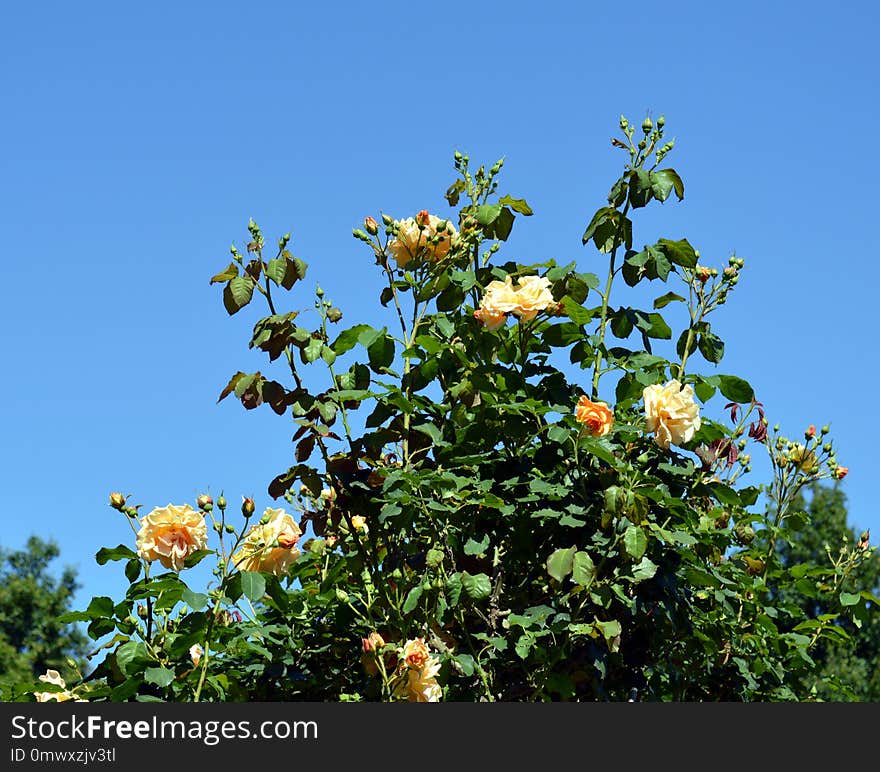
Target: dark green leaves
517	204
560	563
476	586
120	552
238	293
497	220
664	181
609	229
735	388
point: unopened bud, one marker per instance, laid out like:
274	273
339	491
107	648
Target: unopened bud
661	122
647	125
230	528
247	507
457	155
218	527
423	218
334	314
745	533
624	123
840	472
703	273
142	611
810	432
386	219
371	226
319	292
827	447
117	501
205	502
359	234
221	502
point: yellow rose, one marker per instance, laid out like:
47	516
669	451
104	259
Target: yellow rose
269	546
671	412
171	534
805	460
421	684
532	295
421	236
415	653
358	522
595	416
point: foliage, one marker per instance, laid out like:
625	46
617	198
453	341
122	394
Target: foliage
32	639
479	524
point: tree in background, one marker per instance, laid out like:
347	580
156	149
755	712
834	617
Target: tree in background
32	640
846	671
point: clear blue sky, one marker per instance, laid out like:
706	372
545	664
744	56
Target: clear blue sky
138	139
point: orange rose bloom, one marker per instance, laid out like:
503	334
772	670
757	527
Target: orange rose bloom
171	534
595	416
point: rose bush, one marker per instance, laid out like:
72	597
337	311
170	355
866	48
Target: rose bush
550	509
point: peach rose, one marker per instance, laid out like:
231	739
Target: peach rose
415	653
358	522
671	412
54	677
269	546
171	534
491	320
421	683
595	416
840	472
421	236
532	295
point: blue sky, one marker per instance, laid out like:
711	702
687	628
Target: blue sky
137	142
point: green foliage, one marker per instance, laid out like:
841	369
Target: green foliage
33	639
476	524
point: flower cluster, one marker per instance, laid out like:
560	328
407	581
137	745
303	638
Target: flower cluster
531	295
270	545
424	235
171	534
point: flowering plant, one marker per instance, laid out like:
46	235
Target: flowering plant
517	476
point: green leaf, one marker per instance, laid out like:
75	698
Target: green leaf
253	585
328	355
611	632
313	349
476	586
276	269
635	542
664	181
644	570
131	655
488	213
161	676
711	347
558	433
412	599
849	598
517	204
474	547
735	389
583	569
230	272
120	552
466	663
195	600
640	188
100	607
704	391
133	570
561	562
194	558
238	294
503	225
679	252
576	312
665	300
348	339
653	325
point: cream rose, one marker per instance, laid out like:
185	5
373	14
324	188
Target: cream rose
171	534
595	416
421	684
269	546
54	677
195	654
421	235
672	413
532	295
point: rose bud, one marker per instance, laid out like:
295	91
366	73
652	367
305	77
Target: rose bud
247	506
371	226
205	502
117	500
810	432
423	218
